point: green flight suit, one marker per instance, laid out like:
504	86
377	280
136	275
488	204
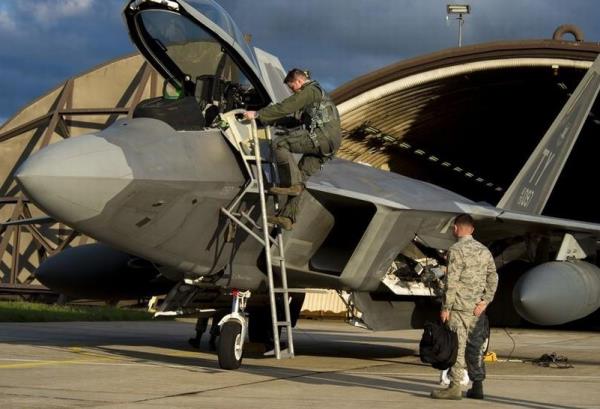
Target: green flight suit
316	146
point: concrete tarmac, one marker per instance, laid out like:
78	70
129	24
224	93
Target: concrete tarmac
115	365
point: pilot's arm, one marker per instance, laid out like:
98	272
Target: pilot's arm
288	106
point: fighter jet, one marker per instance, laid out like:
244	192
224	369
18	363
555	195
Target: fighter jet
152	189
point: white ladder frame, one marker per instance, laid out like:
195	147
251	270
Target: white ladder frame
267	240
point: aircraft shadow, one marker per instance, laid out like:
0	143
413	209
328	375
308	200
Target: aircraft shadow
176	353
384	382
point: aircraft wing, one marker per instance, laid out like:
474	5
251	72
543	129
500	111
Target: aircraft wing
348	179
398	214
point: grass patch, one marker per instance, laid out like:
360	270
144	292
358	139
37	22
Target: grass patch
18	311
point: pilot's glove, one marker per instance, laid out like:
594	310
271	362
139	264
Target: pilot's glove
279	131
250	115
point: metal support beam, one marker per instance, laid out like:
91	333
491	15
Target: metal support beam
34	124
140	89
61	102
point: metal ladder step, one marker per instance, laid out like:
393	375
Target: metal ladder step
283	323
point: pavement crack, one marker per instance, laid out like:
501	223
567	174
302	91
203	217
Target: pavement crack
57	398
282	378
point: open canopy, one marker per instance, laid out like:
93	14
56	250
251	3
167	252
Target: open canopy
190	41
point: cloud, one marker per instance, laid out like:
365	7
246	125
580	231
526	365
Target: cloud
39	15
36	57
6	22
49	12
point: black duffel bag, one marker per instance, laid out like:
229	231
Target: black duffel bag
438	346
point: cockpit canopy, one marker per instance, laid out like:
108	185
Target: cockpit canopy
198	48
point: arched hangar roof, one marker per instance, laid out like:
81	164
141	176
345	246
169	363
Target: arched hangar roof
468	118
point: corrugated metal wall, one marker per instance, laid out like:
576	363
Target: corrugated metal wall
323	304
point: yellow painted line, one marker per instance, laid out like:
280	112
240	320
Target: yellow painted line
177	354
30	364
89	356
87	352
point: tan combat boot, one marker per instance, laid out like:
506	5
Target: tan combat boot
293	190
452	392
285	222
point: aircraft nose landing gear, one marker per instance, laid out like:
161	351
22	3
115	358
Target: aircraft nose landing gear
234	328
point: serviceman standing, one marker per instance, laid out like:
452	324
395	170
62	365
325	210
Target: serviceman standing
318	139
471	282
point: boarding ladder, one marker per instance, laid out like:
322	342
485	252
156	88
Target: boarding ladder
250	151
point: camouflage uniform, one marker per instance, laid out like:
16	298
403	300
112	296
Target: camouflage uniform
471	278
317	140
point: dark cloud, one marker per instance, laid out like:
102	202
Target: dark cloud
44	42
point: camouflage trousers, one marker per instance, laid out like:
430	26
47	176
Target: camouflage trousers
472	333
284	147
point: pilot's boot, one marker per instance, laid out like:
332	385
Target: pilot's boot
212	343
293	190
195	342
476	391
285	222
451	392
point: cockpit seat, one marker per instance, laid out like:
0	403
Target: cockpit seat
183	114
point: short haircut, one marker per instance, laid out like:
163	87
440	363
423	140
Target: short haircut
464	220
295	73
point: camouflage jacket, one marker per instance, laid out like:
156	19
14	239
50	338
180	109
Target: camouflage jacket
471	275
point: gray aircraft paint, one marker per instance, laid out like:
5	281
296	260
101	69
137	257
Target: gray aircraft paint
73	180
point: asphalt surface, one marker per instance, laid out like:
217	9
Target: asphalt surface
150	365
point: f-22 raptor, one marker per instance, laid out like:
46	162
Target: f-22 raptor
152	190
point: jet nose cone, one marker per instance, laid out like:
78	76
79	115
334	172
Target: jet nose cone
72	180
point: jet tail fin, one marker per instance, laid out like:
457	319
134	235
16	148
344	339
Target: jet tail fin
532	187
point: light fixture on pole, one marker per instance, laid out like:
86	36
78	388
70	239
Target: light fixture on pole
458	9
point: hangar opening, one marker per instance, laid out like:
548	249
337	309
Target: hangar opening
468	119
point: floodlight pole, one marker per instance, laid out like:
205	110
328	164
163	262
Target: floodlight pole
460	10
461	21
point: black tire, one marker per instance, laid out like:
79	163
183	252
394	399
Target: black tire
230	350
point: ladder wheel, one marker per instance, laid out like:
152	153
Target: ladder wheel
231	345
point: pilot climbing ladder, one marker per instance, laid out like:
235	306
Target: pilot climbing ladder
250	151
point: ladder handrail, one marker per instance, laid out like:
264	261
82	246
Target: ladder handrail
266	235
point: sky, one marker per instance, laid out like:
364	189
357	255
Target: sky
45	42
